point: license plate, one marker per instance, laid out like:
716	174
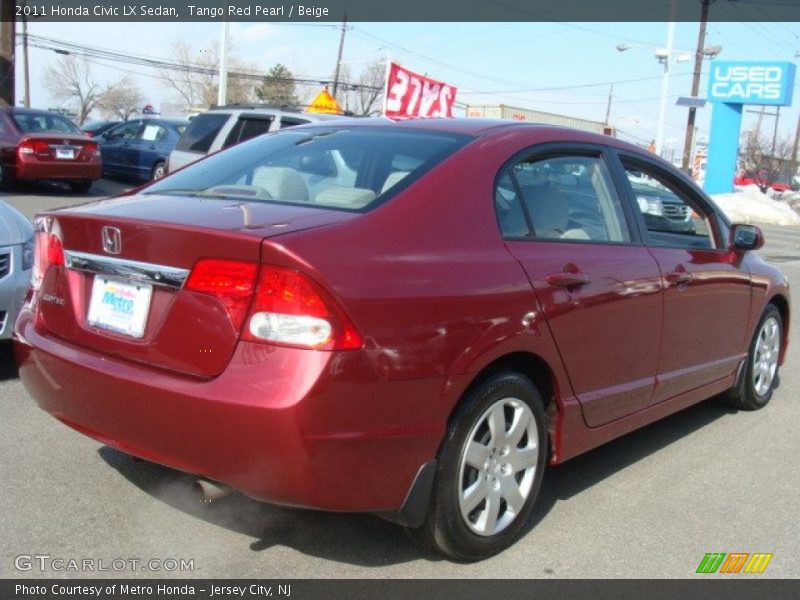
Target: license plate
65	153
118	306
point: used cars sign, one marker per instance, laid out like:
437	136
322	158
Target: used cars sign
752	82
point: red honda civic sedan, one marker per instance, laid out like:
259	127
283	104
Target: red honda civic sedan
39	144
411	319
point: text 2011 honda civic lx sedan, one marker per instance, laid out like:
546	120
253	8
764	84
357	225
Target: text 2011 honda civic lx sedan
410	318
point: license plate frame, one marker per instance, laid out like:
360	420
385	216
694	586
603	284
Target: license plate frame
65	154
119	306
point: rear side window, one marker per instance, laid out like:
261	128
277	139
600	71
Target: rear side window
291	122
567	198
349	169
202	132
247	128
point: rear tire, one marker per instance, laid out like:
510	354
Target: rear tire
489	472
80	187
761	372
159	170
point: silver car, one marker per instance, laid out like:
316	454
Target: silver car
16	261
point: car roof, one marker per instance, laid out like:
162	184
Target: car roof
21	110
483	128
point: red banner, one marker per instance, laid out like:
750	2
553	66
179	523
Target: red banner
411	95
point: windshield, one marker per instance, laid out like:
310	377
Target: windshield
44	123
334	168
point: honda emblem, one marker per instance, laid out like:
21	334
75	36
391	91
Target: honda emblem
112	240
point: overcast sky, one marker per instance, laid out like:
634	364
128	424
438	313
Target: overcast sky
520	64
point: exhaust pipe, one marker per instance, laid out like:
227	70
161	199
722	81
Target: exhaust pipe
212	491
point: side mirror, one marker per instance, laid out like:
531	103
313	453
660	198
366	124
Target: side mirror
746	237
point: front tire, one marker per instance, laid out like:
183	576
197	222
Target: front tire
490	469
761	372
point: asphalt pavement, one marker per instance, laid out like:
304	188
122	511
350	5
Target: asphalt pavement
650	504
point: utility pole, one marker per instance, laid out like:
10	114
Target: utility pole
796	147
7	35
608	105
339	57
222	90
775	131
698	68
26	72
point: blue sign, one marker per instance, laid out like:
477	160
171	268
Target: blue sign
769	83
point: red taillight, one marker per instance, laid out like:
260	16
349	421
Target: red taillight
91	149
291	309
47	252
232	281
34	147
288	308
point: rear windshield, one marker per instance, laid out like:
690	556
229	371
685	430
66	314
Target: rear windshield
349	169
44	123
201	132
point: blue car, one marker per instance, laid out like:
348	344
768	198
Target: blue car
139	148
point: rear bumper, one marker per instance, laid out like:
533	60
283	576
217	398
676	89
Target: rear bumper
289	426
31	169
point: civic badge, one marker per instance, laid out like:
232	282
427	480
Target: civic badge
112	240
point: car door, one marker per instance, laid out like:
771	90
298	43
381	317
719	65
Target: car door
706	286
150	146
114	144
598	285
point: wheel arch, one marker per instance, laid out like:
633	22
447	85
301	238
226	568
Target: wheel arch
530	365
781	302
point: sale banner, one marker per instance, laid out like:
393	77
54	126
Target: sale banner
410	94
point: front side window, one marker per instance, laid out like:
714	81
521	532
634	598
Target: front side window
247	128
126	131
671	218
328	167
560	198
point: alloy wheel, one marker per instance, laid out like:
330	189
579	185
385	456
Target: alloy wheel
765	357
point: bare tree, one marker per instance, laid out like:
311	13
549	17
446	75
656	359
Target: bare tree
69	80
369	93
199	89
121	99
766	160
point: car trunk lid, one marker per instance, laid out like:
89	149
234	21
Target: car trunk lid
122	288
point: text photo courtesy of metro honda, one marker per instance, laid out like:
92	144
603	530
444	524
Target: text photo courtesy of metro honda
401	317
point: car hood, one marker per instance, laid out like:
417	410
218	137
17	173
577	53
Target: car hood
15	228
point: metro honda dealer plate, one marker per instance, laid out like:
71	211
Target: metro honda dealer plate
118	306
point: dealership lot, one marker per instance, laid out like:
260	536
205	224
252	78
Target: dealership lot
648	505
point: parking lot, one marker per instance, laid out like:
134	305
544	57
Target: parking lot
651	504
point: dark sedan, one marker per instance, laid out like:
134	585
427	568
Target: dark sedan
139	149
412	319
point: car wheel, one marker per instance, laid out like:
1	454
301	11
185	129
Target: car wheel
489	470
159	170
761	373
80	187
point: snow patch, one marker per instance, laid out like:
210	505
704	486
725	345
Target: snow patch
751	206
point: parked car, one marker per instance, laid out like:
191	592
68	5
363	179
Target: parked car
661	208
140	148
95	128
38	144
224	126
16	261
782	183
394	317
